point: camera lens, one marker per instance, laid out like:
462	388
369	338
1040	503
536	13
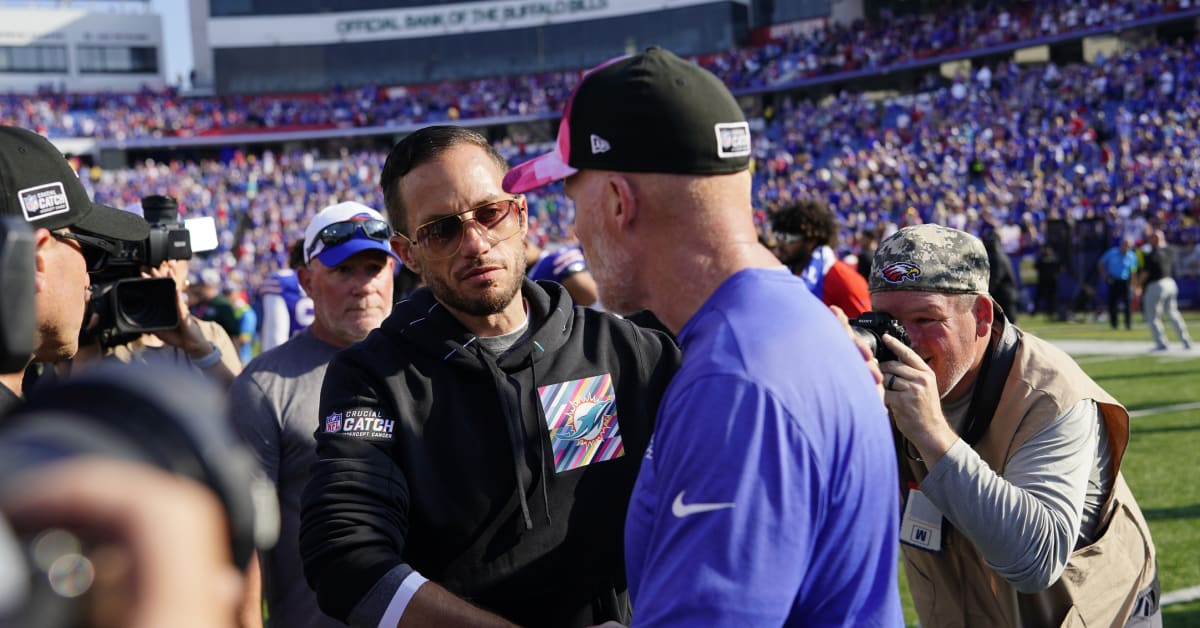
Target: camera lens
146	304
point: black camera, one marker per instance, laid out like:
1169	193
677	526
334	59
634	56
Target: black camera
168	240
127	304
873	326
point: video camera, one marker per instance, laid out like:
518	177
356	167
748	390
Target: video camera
873	326
128	304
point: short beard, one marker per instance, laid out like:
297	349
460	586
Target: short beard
484	306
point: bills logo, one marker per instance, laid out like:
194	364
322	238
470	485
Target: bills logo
333	422
899	272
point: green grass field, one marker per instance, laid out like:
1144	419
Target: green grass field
1161	464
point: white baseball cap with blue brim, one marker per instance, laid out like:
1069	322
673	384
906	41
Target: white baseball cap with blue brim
365	230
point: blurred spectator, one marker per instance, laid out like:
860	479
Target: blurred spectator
1002	282
209	304
1160	294
1117	267
1048	268
805	234
566	265
247	320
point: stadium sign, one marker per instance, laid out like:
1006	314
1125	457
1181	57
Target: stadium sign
428	21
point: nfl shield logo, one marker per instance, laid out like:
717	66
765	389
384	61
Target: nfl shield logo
333	422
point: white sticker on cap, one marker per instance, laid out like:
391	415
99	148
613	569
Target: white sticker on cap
44	201
733	139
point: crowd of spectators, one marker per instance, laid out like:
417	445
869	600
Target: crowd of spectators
892	39
822	50
1004	148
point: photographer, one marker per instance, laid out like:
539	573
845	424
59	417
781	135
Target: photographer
72	237
189	342
1022	516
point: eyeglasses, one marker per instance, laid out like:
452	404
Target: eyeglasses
95	250
442	238
339	232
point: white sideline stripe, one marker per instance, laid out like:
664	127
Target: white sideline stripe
1189	594
1179	407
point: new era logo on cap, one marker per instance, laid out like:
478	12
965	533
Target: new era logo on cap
43	201
599	145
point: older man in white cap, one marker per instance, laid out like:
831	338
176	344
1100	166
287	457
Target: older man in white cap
348	272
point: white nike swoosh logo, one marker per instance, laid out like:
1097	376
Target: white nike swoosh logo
681	510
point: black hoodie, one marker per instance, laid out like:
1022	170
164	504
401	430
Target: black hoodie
424	438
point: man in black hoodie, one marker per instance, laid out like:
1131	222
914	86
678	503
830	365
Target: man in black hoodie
476	453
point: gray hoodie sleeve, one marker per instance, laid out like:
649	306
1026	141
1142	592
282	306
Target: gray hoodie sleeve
1039	499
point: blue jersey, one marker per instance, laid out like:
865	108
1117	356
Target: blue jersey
286	309
558	264
768	495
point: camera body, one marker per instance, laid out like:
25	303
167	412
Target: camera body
168	240
873	326
127	304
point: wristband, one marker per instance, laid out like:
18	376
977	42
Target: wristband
208	360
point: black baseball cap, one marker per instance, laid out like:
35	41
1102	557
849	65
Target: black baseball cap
652	112
38	184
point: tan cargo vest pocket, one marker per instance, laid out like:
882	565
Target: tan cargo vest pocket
1103	579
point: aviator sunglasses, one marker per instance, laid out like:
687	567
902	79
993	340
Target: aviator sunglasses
441	238
339	232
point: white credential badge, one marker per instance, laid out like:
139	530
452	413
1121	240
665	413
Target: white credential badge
921	526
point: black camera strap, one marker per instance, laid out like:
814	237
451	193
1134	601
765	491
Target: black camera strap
993	373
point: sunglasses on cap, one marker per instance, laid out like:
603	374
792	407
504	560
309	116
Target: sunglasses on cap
95	250
441	238
339	232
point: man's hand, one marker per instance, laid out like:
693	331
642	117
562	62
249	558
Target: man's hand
187	335
911	395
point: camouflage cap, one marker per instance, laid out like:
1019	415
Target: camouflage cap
930	258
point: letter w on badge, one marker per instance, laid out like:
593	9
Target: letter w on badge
581	416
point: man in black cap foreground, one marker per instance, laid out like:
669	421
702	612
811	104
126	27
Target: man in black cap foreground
1022	517
72	237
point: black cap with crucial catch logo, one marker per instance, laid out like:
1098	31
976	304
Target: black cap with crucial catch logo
38	184
653	112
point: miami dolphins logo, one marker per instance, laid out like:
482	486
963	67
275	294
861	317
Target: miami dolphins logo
587	420
899	272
